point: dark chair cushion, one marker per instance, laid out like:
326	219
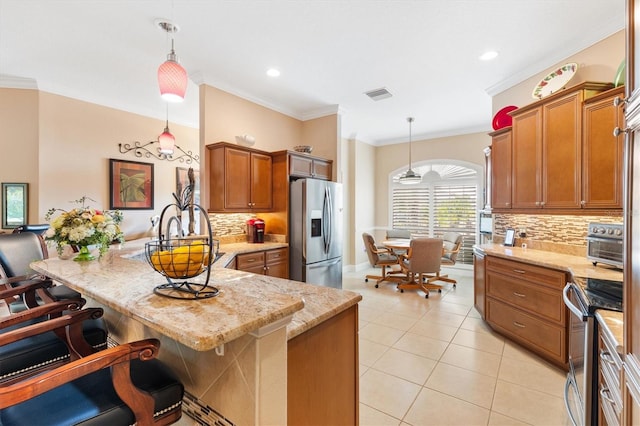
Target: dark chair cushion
91	400
45	348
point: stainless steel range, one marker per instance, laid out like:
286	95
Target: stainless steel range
583	298
604	243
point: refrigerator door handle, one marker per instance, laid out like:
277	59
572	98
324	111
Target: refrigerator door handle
329	220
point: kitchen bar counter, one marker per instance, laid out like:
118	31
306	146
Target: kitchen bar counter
230	351
579	267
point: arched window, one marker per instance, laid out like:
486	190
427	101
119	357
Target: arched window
445	200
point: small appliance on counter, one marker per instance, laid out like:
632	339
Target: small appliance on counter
255	230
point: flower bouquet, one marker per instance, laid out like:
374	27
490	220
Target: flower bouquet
83	227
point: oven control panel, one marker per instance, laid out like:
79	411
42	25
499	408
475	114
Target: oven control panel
605	230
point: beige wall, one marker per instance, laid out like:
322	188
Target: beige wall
463	148
69	155
19	142
365	197
597	63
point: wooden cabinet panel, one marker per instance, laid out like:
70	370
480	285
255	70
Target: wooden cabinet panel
526	159
561	142
237	179
261	181
322	373
277	263
240	179
274	263
251	262
602	151
479	282
547	152
524	302
532	273
501	169
540	336
301	165
539	300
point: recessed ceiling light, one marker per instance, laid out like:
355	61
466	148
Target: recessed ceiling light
272	72
487	56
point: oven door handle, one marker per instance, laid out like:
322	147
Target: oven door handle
567	386
573	308
605	240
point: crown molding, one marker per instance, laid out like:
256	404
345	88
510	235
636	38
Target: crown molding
13	82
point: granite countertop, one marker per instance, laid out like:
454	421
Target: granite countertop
578	266
123	281
613	323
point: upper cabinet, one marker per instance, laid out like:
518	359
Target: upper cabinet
501	169
549	168
240	179
602	150
305	166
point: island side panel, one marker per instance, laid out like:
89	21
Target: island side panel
322	383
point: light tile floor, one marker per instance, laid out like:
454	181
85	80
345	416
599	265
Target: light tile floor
435	362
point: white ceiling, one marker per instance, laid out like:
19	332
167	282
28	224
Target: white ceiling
425	52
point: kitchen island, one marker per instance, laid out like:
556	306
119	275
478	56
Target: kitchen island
230	351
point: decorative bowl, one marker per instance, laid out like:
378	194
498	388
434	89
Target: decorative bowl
303	148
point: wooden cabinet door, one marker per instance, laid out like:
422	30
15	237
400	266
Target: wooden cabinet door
561	146
501	169
300	166
602	152
251	262
322	169
261	181
277	263
478	283
236	179
526	159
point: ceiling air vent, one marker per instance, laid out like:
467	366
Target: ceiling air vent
378	94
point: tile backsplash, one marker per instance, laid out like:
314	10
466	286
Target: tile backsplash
543	231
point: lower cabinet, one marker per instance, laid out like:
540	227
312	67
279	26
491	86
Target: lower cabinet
274	263
322	373
524	302
610	379
479	282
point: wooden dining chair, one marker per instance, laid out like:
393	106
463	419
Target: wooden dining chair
379	257
423	258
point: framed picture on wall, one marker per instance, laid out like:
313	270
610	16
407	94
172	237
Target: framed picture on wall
130	185
182	181
15	204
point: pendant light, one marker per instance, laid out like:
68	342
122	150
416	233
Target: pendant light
166	140
172	77
410	177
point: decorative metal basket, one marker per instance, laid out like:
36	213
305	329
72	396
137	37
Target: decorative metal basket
182	258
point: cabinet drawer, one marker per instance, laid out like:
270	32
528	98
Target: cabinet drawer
277	256
250	260
538	335
535	274
538	300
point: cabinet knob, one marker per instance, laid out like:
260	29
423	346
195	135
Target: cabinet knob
537	203
542	203
617	131
618	100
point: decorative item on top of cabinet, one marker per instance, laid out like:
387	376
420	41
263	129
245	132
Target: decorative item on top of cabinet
501	169
602	150
546	150
240	179
524	302
274	263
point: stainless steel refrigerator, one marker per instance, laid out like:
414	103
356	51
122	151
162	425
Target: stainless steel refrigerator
315	232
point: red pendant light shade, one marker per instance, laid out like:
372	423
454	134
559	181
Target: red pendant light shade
167	142
172	79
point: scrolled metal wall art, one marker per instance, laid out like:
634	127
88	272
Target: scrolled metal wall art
141	150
